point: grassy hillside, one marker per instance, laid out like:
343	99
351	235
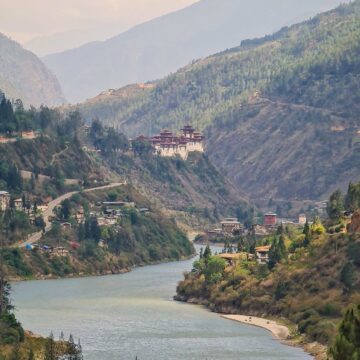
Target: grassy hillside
264	105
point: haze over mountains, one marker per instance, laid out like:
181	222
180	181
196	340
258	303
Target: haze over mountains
154	49
281	113
24	76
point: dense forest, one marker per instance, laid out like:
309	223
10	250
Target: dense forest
311	278
289	95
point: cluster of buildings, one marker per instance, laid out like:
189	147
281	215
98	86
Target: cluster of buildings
25	135
108	216
168	144
18	203
229	227
261	256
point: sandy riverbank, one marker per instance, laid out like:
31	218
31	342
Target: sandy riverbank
280	332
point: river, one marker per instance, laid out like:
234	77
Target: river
123	316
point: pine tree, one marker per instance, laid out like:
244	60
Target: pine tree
31	355
336	205
347	276
307	233
50	348
207	254
347	343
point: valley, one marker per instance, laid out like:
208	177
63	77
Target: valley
211	213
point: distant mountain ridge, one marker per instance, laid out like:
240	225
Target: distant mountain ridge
24	76
158	47
280	113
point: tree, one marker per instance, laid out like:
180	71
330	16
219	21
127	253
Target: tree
31	355
277	251
352	200
307	233
335	206
347	276
141	147
74	351
347	343
95	229
50	348
66	209
214	269
207	254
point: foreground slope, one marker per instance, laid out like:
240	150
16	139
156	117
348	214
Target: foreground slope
280	113
310	275
156	48
24	76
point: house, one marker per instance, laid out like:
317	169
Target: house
29	135
213	234
66	225
302	219
259	230
80	215
4	200
102	221
262	254
270	219
102	243
18	204
230	225
233	259
60	251
144	210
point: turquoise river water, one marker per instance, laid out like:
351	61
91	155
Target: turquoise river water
123	316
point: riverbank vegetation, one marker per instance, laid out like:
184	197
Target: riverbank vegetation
17	344
311	278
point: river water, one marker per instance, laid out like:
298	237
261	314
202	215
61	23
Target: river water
123	316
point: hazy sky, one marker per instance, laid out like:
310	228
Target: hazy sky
39	23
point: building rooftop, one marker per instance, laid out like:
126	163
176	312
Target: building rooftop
263	248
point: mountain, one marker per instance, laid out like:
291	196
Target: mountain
280	113
158	47
24	76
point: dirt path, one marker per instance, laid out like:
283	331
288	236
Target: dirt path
35	237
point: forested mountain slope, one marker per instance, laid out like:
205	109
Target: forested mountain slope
158	47
24	76
192	190
281	113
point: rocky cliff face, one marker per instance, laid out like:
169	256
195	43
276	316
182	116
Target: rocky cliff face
24	76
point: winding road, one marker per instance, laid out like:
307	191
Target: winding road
35	237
